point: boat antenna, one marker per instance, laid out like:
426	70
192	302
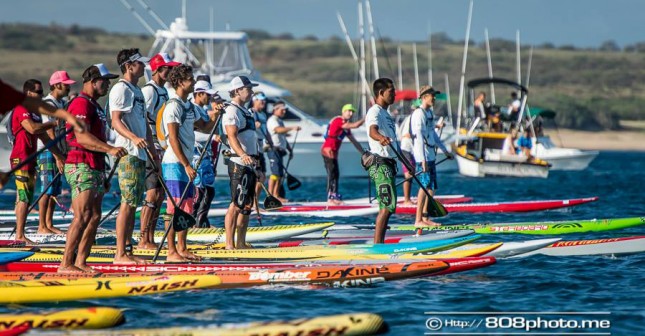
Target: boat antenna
429	54
416	67
153	14
183	10
448	102
517	57
351	49
528	70
361	33
136	15
490	66
398	54
372	38
463	69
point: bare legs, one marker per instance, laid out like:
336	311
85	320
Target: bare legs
81	232
149	218
381	226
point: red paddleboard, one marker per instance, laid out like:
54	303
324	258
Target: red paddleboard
465	264
519	206
12	243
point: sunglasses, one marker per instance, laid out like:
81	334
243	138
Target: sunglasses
40	92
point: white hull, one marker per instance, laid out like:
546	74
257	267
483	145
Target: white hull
573	161
611	246
500	168
509	249
562	158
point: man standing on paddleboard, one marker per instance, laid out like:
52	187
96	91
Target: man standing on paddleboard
85	168
239	127
338	128
155	95
128	118
424	141
381	132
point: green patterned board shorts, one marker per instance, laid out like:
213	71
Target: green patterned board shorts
383	176
82	178
132	178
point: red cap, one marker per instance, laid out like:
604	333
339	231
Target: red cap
60	77
161	59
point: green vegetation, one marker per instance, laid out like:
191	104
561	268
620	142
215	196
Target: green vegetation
589	88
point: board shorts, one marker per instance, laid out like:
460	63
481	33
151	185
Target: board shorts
25	183
262	163
152	179
132	174
428	179
410	158
82	178
47	170
276	162
176	179
242	186
383	176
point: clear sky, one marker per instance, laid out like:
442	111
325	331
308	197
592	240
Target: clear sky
583	23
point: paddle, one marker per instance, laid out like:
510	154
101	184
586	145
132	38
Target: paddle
4	177
292	182
180	220
434	208
419	173
270	202
33	205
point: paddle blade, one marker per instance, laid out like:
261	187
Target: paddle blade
181	220
293	183
272	203
435	209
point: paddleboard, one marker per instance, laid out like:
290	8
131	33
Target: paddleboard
608	246
71	290
346	325
81	318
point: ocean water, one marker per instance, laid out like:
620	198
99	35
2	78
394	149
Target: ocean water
538	284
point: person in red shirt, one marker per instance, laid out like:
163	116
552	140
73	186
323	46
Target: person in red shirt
337	129
26	129
10	98
85	168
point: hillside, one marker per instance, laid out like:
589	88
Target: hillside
591	89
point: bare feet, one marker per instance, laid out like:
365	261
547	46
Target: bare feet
55	230
86	269
426	223
26	240
69	269
146	246
190	256
124	260
175	257
282	200
138	260
335	202
44	230
409	202
227	247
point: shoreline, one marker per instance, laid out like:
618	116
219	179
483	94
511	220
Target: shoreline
631	139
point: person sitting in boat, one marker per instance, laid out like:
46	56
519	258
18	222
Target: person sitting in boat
514	107
338	128
525	144
509	147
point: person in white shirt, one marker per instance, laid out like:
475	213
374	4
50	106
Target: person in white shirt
425	140
406	150
258	109
128	115
239	127
381	132
179	121
155	95
280	147
59	84
514	108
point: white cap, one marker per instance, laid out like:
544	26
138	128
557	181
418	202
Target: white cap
204	86
240	82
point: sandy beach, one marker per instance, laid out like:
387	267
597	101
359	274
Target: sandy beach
632	138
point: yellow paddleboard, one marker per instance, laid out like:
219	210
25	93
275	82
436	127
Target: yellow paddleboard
346	325
80	289
82	318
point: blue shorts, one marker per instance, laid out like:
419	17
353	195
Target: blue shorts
47	170
276	163
428	179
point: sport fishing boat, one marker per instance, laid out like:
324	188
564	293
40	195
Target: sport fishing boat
480	154
224	55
